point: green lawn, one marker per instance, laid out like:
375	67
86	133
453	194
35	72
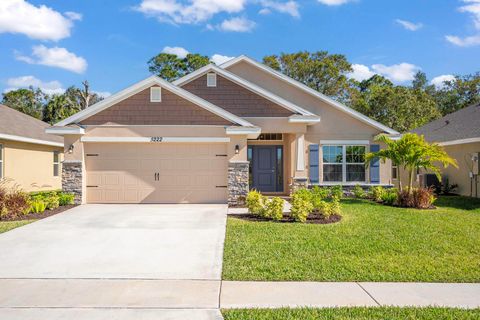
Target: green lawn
372	243
352	313
9	225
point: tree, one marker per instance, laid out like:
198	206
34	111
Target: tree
456	94
319	70
29	101
413	153
82	98
170	67
420	81
58	108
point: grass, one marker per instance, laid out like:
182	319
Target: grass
372	243
379	313
9	225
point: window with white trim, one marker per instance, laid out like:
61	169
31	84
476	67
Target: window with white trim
155	94
211	79
343	163
56	163
394	172
1	161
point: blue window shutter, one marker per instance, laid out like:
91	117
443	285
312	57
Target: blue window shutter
314	158
375	165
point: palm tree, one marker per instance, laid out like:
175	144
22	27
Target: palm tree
412	152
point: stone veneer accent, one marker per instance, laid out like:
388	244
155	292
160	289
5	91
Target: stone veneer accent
72	179
237	182
299	183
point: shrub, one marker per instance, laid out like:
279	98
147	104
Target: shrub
66	199
336	192
13	203
420	198
335	207
37	206
389	197
274	209
376	193
318	196
358	192
52	201
256	202
301	205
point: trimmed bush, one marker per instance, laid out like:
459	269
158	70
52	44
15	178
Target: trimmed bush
336	192
274	209
318	196
358	192
256	202
66	199
301	205
389	197
37	206
376	193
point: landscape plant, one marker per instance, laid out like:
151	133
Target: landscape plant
358	192
301	205
375	193
37	206
274	209
66	199
256	202
389	197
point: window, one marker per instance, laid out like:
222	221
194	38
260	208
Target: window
343	163
394	172
269	137
211	79
56	163
1	161
155	94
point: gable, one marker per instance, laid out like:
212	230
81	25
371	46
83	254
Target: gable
138	110
235	99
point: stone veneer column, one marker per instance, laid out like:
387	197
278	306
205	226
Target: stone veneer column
237	182
299	183
72	179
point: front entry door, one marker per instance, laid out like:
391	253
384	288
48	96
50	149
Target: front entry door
267	168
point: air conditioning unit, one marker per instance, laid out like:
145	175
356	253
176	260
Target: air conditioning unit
428	180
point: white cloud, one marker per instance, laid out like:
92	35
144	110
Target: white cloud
397	72
104	94
42	22
50	87
360	72
74	16
218	59
178	51
193	11
439	81
288	7
334	2
55	57
408	25
473	8
464	42
237	24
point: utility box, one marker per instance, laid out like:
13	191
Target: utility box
475	163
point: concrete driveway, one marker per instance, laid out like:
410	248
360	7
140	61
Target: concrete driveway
119	242
115	261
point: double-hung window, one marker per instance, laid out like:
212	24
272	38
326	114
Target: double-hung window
344	163
56	163
1	161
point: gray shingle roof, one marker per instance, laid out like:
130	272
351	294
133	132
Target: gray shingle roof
13	122
462	124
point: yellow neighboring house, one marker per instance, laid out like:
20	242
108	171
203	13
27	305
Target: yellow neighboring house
29	157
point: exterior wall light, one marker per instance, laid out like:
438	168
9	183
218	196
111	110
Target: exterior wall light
70	149
237	149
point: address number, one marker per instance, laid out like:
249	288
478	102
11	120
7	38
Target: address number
156	139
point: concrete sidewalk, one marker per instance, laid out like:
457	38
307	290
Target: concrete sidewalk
347	294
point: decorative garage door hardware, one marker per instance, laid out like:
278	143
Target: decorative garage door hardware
92	186
157	176
92	154
220	155
220	186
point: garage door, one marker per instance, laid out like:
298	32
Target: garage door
156	173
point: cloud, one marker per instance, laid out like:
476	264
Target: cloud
193	11
74	16
51	87
178	51
55	57
334	2
360	72
397	72
218	59
104	94
408	25
237	24
42	22
439	81
288	7
473	8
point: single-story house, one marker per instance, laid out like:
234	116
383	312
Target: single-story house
459	134
30	158
214	134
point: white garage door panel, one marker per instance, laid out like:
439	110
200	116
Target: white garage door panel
125	173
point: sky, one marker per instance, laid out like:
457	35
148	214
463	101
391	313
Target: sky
55	44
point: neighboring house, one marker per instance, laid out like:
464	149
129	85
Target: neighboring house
213	134
29	157
459	134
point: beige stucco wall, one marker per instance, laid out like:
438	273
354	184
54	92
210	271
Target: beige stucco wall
30	166
334	124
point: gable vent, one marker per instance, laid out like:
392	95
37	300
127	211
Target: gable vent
155	94
211	79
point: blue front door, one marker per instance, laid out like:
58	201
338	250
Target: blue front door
267	170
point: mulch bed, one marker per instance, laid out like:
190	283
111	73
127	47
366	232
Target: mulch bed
44	214
313	218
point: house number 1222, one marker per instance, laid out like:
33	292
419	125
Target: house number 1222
156	139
